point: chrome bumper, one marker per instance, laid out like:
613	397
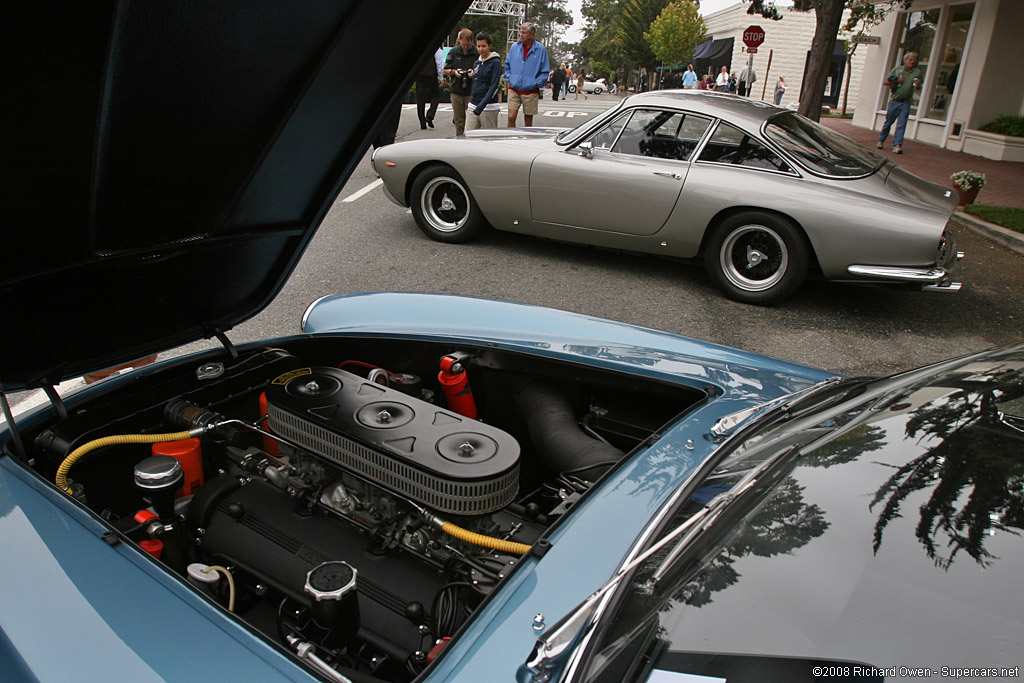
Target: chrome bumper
932	279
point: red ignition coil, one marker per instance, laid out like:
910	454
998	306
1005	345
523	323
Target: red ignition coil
455	384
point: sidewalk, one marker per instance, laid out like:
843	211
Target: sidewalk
1004	179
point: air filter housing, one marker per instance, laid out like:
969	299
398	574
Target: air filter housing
443	460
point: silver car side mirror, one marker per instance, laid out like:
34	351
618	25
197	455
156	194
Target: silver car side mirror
586	149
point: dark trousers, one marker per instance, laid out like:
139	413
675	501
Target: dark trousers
427	90
389	127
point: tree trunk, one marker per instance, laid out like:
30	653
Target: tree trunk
849	72
828	15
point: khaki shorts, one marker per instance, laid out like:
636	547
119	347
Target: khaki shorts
528	103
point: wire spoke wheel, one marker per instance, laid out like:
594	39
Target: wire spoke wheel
445	204
754	258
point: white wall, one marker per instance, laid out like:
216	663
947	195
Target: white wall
788	39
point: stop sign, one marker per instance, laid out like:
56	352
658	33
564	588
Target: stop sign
753	36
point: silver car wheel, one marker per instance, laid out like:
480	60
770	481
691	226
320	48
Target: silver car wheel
445	204
754	258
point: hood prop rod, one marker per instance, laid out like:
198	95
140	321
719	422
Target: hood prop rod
226	343
55	400
19	446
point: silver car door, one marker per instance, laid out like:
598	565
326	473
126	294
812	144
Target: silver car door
628	180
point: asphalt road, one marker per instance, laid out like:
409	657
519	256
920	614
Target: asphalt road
368	244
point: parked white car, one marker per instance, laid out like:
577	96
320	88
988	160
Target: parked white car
596	86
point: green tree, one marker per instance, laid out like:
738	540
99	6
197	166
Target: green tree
676	32
637	17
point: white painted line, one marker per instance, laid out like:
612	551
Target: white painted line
376	183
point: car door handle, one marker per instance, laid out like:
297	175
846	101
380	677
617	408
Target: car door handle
669	174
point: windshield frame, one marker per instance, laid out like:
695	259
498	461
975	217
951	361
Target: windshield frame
573	135
842	146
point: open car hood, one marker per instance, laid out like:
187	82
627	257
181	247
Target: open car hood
167	163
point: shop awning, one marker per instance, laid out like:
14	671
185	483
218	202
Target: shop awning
718	54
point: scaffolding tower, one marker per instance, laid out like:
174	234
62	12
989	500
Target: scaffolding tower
514	11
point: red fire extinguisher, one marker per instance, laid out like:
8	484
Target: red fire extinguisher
455	384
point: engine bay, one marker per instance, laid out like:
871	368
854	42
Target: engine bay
352	500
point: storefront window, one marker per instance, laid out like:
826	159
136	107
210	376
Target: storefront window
919	36
937	103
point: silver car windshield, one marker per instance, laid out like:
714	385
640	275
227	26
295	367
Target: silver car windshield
819	149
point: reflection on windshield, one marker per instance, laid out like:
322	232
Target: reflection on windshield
976	482
820	149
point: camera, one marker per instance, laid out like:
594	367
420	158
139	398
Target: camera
892	79
464	75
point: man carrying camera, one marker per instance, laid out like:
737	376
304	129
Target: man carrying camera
902	82
457	67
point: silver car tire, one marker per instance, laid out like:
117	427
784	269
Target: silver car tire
572	88
443	206
756	258
598	90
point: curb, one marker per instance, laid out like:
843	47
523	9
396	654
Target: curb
1008	238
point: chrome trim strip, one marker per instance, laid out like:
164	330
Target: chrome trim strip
942	287
309	309
932	274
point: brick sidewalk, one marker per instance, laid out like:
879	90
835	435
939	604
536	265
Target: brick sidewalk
1005	179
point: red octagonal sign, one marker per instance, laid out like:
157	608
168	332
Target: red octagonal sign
753	36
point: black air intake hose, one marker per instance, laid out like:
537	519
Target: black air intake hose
557	436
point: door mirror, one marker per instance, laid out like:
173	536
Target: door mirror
586	149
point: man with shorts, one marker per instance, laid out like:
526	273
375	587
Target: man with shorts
526	70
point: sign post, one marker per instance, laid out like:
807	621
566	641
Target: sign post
752	38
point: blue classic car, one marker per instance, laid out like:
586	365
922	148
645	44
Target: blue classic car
420	487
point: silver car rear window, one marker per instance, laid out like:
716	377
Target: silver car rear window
819	149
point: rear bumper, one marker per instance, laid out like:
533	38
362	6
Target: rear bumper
934	278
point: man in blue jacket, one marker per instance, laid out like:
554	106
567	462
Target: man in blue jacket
526	70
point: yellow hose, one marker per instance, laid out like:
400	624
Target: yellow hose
485	541
62	472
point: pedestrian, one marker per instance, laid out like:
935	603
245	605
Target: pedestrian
780	90
580	80
389	127
483	102
722	82
428	89
526	70
569	76
902	81
689	77
746	80
458	66
558	81
615	83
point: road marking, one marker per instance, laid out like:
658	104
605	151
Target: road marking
376	183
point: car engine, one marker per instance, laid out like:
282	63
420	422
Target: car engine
352	501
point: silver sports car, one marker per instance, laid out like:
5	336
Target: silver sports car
764	195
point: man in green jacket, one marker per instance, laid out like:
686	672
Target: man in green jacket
902	82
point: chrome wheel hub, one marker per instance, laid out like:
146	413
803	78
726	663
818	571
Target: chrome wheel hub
445	204
754	257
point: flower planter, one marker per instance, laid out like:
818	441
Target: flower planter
967	196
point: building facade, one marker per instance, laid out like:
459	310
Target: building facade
972	55
787	42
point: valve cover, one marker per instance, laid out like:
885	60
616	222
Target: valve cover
441	459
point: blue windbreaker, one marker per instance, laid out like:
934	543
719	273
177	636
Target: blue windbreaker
529	74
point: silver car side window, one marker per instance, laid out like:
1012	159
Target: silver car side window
730	145
661	134
605	138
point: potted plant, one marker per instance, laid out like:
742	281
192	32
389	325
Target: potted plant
967	184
